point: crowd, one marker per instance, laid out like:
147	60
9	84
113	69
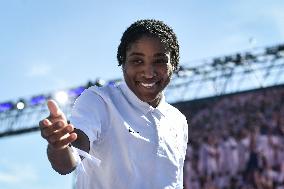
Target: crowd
237	141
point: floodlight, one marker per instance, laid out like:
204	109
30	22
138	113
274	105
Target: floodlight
228	59
217	62
113	82
237	59
89	84
181	72
61	97
6	106
249	57
76	91
281	50
271	50
36	100
20	105
99	82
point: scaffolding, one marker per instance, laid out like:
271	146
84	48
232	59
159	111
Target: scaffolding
257	68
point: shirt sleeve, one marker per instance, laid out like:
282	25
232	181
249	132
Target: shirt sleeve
186	130
184	135
89	114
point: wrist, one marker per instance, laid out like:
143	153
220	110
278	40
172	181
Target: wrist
61	160
51	149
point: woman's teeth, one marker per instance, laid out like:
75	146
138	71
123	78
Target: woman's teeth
148	85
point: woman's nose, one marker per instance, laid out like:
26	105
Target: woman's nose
149	71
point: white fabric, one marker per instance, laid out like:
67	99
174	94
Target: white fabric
77	153
139	146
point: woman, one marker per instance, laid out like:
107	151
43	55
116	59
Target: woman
139	138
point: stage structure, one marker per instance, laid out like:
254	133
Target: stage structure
257	68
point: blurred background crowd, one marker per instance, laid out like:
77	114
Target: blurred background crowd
236	141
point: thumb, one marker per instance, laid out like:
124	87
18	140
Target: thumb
54	109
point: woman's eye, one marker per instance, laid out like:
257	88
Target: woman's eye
136	61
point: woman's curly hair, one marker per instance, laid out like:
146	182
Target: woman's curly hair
151	28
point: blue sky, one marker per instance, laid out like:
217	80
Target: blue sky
50	45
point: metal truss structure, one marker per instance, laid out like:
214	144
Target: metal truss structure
257	68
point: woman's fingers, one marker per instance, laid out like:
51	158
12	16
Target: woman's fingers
57	134
48	128
64	141
61	133
54	109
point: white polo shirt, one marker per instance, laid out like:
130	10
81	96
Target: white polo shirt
140	147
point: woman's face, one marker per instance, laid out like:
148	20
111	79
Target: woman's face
147	69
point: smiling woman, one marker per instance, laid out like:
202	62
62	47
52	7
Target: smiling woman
148	53
139	139
147	69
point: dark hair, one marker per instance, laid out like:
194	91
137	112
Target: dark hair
152	28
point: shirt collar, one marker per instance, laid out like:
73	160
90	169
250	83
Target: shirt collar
139	104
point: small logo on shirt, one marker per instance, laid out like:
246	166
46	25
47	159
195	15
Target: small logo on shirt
132	131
